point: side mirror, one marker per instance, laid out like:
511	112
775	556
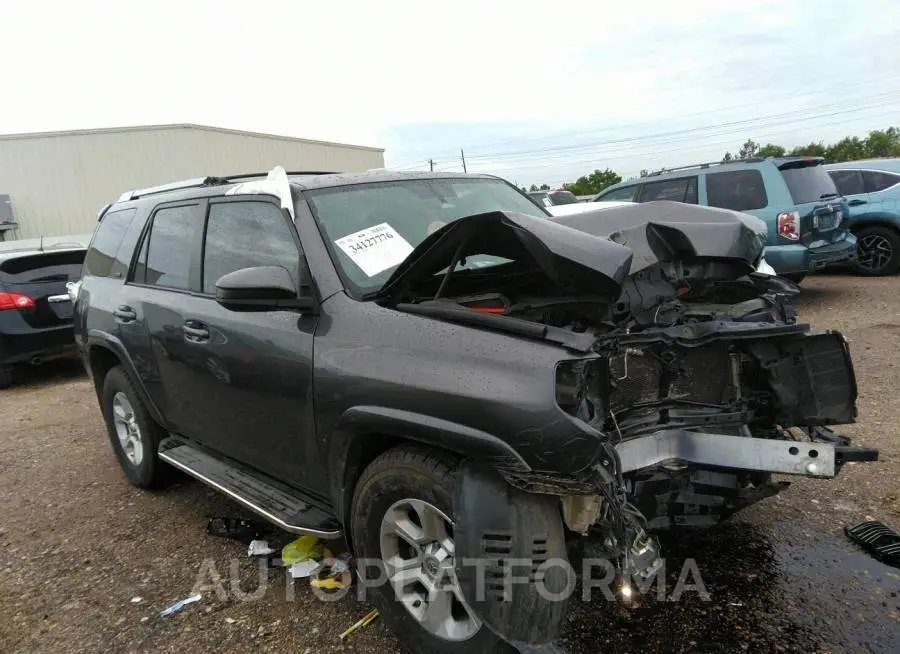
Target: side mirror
263	288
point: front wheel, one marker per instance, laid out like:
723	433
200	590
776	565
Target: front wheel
878	251
402	515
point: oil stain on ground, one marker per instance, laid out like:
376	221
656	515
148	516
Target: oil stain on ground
781	589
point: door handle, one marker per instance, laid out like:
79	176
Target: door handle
125	314
855	202
195	332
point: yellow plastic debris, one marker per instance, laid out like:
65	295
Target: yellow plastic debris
304	548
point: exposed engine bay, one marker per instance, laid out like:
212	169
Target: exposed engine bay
688	365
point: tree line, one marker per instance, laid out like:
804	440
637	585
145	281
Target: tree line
876	145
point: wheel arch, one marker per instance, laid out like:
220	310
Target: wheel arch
878	221
363	433
104	352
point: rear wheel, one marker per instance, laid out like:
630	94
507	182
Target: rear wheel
878	250
401	515
132	432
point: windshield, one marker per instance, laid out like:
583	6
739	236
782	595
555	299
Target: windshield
371	228
809	183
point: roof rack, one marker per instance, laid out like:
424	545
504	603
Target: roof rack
204	181
706	165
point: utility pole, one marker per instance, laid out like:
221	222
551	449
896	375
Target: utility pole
463	155
431	164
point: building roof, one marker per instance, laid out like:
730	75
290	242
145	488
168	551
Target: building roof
204	128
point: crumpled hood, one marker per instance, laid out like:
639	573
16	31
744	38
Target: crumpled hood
570	257
666	231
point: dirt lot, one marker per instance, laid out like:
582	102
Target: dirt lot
78	544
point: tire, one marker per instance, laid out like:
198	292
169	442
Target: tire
878	250
124	410
795	277
426	476
6	376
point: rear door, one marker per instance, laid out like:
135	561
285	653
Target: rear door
883	191
815	198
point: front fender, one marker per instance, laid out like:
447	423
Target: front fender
361	428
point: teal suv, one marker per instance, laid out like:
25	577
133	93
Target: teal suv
795	196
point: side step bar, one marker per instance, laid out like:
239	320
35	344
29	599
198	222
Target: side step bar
280	505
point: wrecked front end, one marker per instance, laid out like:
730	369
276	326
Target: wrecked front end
687	370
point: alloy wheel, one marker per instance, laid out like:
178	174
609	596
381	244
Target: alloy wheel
418	552
875	252
127	429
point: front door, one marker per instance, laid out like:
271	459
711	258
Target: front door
248	394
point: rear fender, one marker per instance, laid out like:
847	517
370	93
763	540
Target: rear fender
113	345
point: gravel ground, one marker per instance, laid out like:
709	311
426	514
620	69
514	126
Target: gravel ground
79	546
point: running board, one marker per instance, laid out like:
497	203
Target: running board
280	505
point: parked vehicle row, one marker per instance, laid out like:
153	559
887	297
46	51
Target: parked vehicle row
795	197
437	369
872	190
35	310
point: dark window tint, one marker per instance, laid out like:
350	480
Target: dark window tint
738	190
165	259
101	256
44	267
808	183
563	197
243	235
876	180
624	194
848	182
683	189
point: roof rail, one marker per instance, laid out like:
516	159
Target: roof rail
705	165
198	182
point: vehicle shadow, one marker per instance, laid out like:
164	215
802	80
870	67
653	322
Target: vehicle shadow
46	374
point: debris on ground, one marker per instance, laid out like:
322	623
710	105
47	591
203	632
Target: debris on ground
366	620
303	549
180	604
877	539
237	528
137	600
259	548
302	569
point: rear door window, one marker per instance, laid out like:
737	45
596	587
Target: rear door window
808	183
848	182
682	189
244	235
877	180
165	258
624	194
738	190
101	257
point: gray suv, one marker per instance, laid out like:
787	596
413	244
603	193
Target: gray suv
469	392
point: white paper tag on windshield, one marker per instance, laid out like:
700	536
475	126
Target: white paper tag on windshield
375	249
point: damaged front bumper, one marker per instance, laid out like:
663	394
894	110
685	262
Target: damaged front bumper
680	446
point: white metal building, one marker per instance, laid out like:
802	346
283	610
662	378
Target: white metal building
54	183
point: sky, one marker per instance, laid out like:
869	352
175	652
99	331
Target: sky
534	91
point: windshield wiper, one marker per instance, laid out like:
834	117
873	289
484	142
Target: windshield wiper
829	195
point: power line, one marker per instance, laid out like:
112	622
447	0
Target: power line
843	89
739	125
